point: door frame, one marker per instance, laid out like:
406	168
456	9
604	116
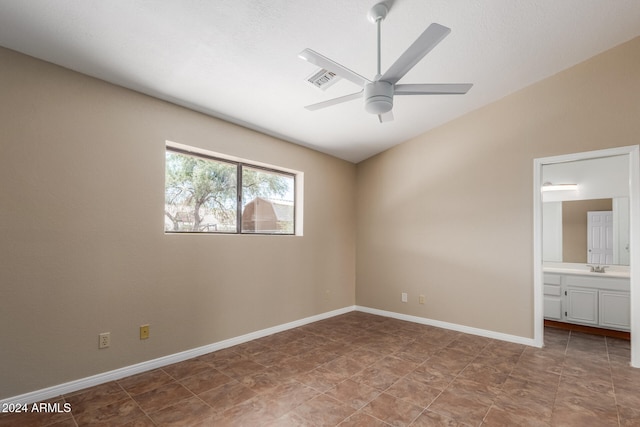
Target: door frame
633	153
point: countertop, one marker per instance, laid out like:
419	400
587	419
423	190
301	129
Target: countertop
620	271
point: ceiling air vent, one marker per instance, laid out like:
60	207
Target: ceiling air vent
323	79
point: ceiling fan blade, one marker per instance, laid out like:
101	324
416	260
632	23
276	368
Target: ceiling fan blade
433	89
423	45
334	101
322	61
386	117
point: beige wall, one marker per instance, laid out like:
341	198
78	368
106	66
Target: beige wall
82	247
449	213
574	227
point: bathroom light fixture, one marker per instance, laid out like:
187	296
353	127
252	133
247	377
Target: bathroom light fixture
547	186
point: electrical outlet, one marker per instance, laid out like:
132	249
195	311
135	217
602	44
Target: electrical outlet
404	297
144	332
104	340
421	299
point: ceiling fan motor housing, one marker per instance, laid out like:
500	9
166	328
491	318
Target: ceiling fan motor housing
378	97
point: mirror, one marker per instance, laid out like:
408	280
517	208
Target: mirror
602	185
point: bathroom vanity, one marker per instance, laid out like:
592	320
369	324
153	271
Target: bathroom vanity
574	294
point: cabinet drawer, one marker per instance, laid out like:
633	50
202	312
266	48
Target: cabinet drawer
552	279
552	290
552	308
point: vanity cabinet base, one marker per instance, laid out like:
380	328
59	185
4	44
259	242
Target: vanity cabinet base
601	302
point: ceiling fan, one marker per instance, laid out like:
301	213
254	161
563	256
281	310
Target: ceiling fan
378	94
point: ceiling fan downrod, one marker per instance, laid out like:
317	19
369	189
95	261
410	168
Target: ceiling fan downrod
376	15
378	94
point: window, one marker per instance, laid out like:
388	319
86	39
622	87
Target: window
206	194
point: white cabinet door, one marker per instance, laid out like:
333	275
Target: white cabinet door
582	305
615	310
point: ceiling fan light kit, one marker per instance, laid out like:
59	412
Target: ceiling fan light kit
378	94
378	97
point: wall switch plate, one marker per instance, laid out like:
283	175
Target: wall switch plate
144	332
104	340
421	299
404	297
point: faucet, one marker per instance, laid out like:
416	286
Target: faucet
597	268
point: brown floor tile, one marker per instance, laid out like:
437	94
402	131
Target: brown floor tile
414	391
184	413
450	361
146	381
263	381
288	396
364	357
269	358
162	397
321	379
465	401
527	399
96	397
323	411
392	410
117	413
433	419
417	351
290	419
353	394
509	418
485	373
252	412
241	368
143	421
376	377
361	419
205	380
586	386
226	396
567	417
345	366
293	366
436	373
222	358
187	368
593	410
469	344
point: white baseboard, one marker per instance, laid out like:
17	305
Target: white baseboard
72	386
455	327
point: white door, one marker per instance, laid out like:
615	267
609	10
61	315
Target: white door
600	237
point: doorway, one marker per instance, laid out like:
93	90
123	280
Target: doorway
632	154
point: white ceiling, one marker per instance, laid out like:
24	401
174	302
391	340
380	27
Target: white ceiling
237	59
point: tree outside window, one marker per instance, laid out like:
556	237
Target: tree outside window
202	196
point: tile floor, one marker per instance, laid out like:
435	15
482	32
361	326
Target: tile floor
364	370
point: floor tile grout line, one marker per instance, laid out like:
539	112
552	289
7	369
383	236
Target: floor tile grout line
564	360
493	404
147	415
613	386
